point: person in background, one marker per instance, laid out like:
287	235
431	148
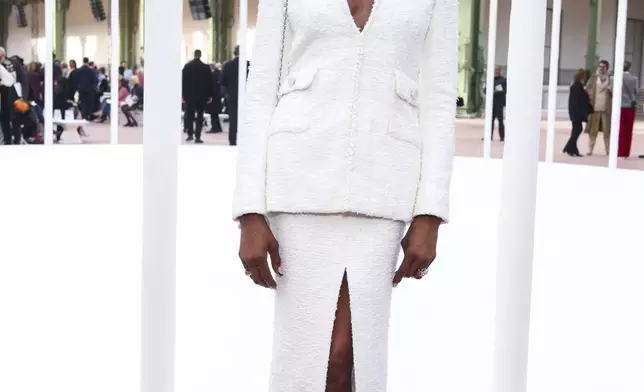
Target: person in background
71	76
627	116
61	99
86	83
35	85
138	72
498	102
13	84
106	107
132	102
230	82
127	72
600	90
214	108
196	94
578	109
102	88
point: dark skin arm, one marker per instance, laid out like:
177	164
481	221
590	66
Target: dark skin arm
419	247
256	242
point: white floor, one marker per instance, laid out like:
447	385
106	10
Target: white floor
70	276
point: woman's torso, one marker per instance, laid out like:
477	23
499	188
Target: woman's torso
348	109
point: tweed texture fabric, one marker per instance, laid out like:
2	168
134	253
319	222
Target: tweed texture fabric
363	120
316	250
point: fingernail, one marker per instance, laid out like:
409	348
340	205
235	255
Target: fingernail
395	284
279	271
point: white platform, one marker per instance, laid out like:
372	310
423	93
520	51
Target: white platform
70	280
70	136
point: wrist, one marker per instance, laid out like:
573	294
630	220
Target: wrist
430	220
250	218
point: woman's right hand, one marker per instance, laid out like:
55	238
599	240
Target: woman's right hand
256	242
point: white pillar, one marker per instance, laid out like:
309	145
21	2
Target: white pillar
50	14
489	81
114	71
161	136
555	40
243	56
518	195
618	81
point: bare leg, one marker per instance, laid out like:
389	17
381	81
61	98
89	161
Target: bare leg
340	370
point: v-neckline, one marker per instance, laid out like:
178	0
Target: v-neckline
356	28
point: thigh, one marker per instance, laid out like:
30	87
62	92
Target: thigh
200	109
190	110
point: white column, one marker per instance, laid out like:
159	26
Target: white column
518	195
114	71
243	56
489	80
618	81
555	40
50	11
161	136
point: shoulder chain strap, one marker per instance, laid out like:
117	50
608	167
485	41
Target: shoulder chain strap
279	76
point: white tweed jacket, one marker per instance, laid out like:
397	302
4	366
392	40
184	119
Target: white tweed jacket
363	121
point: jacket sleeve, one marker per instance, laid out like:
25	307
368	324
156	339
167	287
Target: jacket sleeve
260	102
438	92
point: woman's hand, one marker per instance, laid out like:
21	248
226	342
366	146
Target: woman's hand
256	242
419	246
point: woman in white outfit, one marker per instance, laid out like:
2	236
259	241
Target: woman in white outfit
348	135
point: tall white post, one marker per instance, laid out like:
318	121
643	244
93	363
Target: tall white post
161	136
555	40
114	71
243	56
489	80
50	14
518	195
618	81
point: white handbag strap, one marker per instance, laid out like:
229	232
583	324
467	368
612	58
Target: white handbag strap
279	76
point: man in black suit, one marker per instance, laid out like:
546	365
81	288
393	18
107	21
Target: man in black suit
215	106
230	81
197	91
86	83
499	101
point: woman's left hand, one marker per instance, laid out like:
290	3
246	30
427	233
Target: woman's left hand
419	246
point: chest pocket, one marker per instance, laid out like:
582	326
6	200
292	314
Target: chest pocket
298	81
405	120
295	106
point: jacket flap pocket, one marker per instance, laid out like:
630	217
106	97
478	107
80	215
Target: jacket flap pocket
407	89
298	81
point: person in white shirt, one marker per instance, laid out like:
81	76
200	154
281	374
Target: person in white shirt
348	135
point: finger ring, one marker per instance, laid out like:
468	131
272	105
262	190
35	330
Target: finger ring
421	272
247	272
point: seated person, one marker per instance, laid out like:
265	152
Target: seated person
132	102
106	108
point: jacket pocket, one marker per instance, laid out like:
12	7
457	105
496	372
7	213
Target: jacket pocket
405	118
295	103
298	81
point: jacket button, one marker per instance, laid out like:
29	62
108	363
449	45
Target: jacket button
414	94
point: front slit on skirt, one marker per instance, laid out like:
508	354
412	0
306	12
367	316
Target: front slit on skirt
316	251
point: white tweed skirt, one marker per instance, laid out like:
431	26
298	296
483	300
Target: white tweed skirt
316	251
